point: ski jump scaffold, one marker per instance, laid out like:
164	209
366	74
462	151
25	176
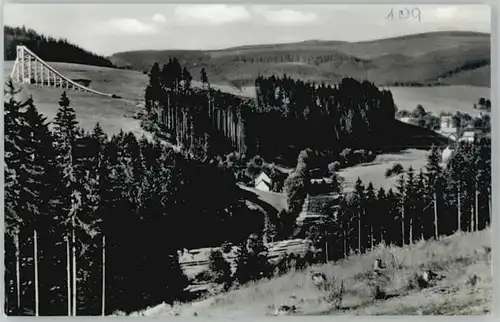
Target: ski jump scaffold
31	69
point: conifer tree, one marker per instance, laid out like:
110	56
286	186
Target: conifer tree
66	134
359	199
382	210
204	79
402	199
371	220
433	168
412	203
13	150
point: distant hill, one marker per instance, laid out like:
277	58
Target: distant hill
48	48
438	58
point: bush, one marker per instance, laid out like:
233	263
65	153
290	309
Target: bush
346	156
334	167
203	276
396	169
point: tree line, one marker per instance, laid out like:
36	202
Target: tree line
446	197
203	121
94	224
49	48
299	114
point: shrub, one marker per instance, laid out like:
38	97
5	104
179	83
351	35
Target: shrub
346	156
203	276
336	293
396	169
334	167
226	247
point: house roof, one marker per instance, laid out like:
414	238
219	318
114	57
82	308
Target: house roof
268	184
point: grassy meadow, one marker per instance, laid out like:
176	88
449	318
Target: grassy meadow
464	261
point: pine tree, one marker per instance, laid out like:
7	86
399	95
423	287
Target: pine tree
359	199
13	150
402	200
371	220
422	202
38	148
186	78
204	79
66	134
382	209
433	168
412	202
456	175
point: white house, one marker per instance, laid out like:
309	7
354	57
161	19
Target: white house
468	136
447	125
263	182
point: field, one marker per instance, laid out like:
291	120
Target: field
374	172
440	98
464	261
112	114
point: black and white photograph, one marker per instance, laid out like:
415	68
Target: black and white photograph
247	160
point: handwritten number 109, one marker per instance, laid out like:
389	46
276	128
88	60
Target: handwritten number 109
404	14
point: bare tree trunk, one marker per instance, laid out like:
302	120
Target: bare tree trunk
326	251
35	260
489	206
477	209
371	236
411	230
359	232
459	215
345	243
68	274
471	229
403	225
103	307
18	271
74	268
436	230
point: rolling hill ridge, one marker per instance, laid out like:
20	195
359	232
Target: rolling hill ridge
438	58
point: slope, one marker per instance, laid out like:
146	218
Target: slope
458	258
48	48
113	114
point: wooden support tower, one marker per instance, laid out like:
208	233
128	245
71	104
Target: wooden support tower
31	69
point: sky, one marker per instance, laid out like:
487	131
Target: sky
109	28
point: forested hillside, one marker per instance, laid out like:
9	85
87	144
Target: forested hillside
438	58
49	48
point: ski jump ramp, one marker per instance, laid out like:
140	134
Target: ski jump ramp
31	69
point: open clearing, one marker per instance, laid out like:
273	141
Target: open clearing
113	114
458	258
440	98
374	172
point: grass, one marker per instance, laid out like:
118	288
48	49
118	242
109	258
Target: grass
112	114
374	172
440	98
457	258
